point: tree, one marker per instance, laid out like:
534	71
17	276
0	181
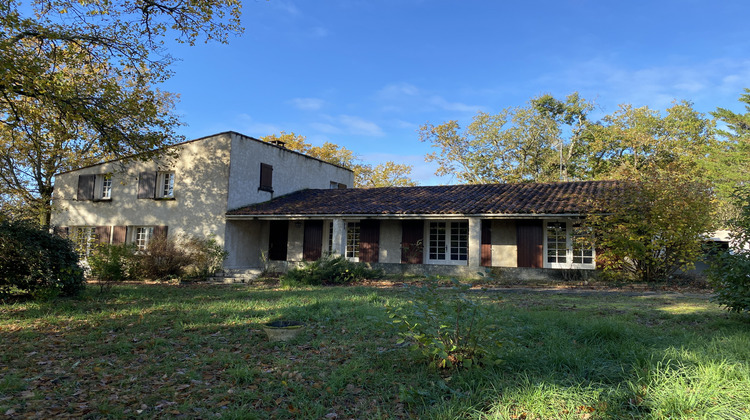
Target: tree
655	224
388	174
512	146
573	113
730	269
631	139
77	83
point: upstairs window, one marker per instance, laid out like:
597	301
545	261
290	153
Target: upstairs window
165	181
156	185
266	178
105	192
94	187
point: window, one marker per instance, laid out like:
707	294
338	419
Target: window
85	239
337	186
352	240
448	242
142	235
165	183
568	244
94	187
105	192
266	177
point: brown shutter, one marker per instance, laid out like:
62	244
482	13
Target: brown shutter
278	239
412	234
119	235
486	243
369	240
61	231
102	233
160	231
266	177
530	243
147	185
85	187
342	186
312	243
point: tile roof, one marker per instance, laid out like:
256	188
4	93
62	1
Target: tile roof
524	198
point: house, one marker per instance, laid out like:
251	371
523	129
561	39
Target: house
269	205
187	191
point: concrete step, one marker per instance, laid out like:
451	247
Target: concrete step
234	275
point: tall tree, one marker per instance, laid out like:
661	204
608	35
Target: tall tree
77	83
512	146
731	165
388	174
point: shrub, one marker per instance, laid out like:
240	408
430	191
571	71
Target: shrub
113	263
451	329
729	272
163	260
34	261
329	270
205	255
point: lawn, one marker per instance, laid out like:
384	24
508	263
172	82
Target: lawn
199	352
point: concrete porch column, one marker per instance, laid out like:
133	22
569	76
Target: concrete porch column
338	247
475	242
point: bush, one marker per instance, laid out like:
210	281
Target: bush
113	263
451	329
329	270
729	272
163	260
34	261
206	257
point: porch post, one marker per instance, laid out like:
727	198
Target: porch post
338	247
475	242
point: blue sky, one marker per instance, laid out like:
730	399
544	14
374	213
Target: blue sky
367	74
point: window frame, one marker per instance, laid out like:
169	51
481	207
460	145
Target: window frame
85	234
454	242
353	230
570	248
165	184
266	178
134	237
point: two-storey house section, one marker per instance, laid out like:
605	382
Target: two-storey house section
186	191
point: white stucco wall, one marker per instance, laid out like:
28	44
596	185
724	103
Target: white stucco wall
200	192
291	172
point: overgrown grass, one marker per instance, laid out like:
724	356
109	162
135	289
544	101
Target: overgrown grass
198	351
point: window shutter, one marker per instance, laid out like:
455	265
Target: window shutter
342	186
102	233
412	233
119	235
160	231
369	240
85	187
266	177
530	243
147	185
312	243
486	243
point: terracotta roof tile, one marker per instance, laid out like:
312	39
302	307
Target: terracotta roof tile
524	198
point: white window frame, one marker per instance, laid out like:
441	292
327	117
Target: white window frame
455	242
570	235
103	187
165	182
141	236
85	239
353	231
